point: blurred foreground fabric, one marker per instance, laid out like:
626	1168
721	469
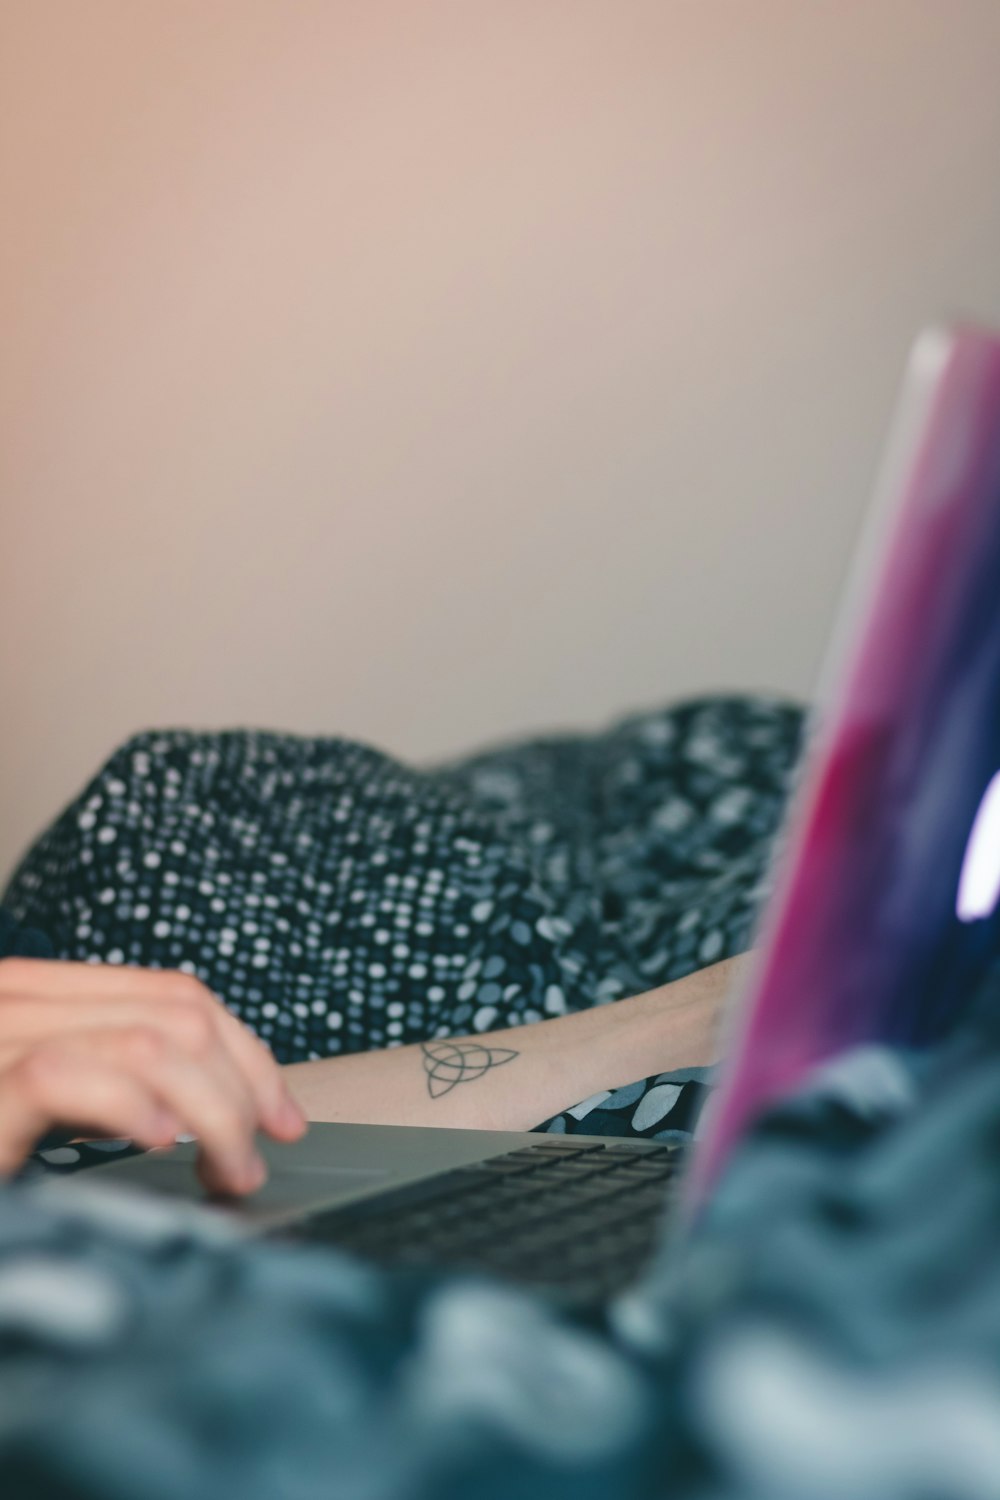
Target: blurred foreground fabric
831	1332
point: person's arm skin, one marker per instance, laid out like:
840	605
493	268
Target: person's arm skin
150	1055
513	1079
138	1053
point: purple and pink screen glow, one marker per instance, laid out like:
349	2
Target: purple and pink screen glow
868	938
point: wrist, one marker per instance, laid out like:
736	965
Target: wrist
674	1026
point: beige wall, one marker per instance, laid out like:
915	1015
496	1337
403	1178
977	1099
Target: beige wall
431	371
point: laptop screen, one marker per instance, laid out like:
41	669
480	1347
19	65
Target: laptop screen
884	915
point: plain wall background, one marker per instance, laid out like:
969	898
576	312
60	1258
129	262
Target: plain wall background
432	370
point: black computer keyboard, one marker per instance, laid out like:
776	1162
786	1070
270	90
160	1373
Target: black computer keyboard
576	1218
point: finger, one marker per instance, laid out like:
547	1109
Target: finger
38	976
191	1030
60	1084
197	1024
280	1113
172	994
205	1093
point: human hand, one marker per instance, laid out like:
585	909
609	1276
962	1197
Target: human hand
147	1054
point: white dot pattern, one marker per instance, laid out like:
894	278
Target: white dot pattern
339	900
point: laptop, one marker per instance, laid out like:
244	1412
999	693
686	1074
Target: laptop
882	920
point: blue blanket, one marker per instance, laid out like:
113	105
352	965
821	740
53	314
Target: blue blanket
831	1332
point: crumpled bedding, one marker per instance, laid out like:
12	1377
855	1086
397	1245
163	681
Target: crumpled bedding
830	1331
339	899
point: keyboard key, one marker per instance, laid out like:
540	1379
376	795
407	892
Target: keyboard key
570	1217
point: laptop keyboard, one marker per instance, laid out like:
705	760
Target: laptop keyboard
578	1219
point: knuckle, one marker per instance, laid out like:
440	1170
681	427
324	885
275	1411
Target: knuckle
257	1050
15	972
238	1101
195	1028
230	1122
142	1046
185	989
38	1074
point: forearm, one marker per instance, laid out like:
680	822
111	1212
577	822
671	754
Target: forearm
511	1079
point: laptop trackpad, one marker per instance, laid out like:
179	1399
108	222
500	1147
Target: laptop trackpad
290	1189
293	1189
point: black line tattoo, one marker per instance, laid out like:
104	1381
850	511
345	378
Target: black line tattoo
449	1063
